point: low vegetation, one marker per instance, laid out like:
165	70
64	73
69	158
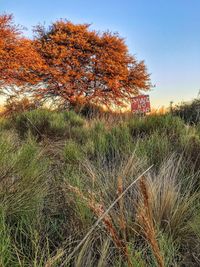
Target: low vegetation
189	112
113	190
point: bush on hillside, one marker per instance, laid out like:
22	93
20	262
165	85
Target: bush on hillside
73	118
166	124
45	123
191	150
87	110
189	112
39	123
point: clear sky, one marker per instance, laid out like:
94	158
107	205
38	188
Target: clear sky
165	33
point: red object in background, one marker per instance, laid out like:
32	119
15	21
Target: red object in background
140	104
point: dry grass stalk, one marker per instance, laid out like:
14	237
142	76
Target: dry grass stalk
146	220
89	168
55	258
99	210
122	221
102	217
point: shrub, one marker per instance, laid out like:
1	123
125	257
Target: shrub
40	123
73	118
91	111
191	151
189	112
166	124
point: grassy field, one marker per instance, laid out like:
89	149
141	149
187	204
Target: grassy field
111	190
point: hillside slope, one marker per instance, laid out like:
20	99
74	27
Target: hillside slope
60	172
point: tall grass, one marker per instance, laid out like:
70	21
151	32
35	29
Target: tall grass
61	173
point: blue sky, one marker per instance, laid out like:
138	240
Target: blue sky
165	33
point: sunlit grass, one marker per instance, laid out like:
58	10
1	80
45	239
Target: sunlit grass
58	180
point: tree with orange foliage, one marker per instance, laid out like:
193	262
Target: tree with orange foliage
70	62
84	65
20	63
